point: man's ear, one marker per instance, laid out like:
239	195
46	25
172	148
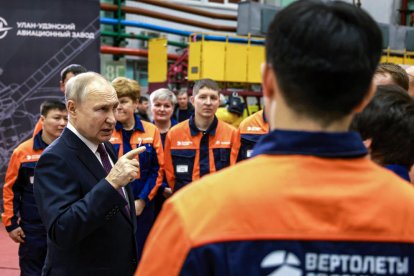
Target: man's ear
268	80
367	98
192	100
368	143
71	107
42	118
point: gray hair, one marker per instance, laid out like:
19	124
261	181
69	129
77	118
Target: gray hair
163	94
77	87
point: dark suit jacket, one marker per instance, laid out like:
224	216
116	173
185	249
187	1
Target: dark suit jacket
89	232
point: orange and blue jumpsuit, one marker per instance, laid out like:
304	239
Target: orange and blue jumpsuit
150	173
190	153
250	131
20	209
309	203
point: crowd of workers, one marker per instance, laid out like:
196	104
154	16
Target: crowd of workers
82	195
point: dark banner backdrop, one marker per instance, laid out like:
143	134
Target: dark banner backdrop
37	40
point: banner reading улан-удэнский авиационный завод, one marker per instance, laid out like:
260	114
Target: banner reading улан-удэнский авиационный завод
37	40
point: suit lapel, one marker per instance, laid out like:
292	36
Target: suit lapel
85	155
92	163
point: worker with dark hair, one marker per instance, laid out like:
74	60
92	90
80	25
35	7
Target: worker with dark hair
21	216
68	72
184	109
384	126
142	108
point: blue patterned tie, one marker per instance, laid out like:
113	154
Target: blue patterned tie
107	166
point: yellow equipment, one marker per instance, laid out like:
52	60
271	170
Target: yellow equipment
157	60
225	61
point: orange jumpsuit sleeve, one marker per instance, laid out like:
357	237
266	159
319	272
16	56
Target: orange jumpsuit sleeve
235	146
168	165
157	144
9	216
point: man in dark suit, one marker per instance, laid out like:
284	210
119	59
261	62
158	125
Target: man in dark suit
82	195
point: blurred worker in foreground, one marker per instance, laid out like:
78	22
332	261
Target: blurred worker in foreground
21	218
201	144
66	74
82	190
390	73
130	133
384	126
251	130
162	106
184	108
309	202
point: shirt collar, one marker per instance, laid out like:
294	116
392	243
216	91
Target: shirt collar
211	129
38	143
138	124
322	144
92	146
